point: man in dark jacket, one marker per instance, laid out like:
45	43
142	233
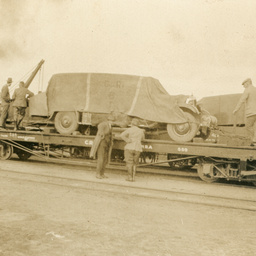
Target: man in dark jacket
5	103
19	98
101	145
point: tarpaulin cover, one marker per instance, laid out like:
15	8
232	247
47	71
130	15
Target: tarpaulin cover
142	97
222	107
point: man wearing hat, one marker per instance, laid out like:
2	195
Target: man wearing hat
101	146
20	103
249	98
5	102
133	137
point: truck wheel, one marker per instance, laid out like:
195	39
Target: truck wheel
184	132
66	122
5	151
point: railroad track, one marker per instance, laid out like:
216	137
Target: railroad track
163	169
140	189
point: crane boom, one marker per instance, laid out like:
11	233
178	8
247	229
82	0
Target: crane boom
30	79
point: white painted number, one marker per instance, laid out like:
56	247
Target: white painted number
182	149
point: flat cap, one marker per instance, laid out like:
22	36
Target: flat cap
247	80
9	80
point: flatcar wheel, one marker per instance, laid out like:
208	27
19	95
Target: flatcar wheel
23	155
5	151
254	180
203	176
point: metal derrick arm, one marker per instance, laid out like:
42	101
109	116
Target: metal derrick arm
33	74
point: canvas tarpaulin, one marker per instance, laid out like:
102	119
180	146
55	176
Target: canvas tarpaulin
137	96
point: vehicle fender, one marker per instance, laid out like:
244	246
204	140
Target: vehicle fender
190	108
52	116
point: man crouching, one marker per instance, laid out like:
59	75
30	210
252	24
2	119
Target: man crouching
133	137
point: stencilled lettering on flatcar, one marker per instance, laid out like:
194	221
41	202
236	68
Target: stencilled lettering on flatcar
88	142
181	149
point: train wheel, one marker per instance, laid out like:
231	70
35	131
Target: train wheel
184	132
254	180
203	176
66	122
6	151
23	155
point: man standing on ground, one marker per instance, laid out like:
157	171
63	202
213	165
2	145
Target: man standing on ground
133	137
5	103
20	104
101	145
249	98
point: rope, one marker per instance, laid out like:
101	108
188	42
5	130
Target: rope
12	87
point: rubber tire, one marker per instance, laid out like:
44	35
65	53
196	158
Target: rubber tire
66	122
8	151
184	132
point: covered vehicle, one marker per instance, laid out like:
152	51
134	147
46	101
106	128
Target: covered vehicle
73	100
222	106
231	128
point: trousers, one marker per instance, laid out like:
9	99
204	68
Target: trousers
4	115
250	125
102	157
131	159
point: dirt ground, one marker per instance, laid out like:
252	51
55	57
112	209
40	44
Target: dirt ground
43	220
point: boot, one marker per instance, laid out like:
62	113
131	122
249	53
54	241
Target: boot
129	173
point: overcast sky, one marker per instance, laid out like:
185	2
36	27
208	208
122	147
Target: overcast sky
200	47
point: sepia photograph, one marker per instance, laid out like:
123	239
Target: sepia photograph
127	127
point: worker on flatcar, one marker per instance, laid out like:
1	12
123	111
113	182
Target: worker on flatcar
249	98
5	103
20	103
